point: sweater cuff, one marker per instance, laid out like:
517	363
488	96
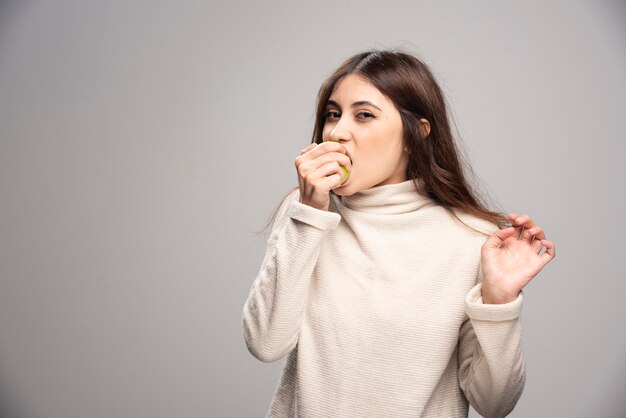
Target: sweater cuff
476	309
318	218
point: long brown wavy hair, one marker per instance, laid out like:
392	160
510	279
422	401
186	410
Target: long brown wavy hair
411	86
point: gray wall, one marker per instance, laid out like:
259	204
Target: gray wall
143	143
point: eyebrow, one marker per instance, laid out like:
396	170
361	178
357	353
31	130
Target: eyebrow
355	104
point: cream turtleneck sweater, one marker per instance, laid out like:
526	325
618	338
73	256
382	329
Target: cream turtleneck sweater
377	303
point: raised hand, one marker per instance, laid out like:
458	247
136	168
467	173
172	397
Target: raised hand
510	259
319	171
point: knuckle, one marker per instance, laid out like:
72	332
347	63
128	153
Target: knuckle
303	172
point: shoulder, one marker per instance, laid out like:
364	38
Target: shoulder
482	225
469	228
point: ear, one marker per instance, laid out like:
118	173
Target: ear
424	128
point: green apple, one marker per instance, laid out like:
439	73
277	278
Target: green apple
345	172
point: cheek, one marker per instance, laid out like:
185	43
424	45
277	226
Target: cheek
375	147
377	154
326	130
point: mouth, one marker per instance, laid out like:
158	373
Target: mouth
347	181
349	156
352	168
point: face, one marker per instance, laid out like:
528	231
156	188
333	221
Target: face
366	122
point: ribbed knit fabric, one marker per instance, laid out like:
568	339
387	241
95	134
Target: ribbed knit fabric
377	304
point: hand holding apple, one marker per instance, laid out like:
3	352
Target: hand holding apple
345	172
321	168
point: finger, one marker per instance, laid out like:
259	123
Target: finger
536	245
321	149
304	156
549	253
525	221
305	164
330	157
520	232
534	236
496	239
333	146
331	182
307	149
331	175
325	178
512	217
536	231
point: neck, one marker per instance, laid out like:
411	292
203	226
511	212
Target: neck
390	199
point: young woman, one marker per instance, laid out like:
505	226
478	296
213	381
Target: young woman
392	289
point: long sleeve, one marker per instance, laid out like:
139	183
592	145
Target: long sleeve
491	364
272	314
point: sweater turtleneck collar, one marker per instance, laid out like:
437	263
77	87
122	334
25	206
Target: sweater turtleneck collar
389	199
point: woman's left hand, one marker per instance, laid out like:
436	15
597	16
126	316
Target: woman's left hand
509	261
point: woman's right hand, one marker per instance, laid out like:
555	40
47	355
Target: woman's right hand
319	171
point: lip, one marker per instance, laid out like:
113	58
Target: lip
349	155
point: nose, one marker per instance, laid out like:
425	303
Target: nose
339	132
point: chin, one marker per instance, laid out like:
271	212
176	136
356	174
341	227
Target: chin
346	190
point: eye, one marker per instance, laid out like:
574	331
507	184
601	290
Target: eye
331	114
366	115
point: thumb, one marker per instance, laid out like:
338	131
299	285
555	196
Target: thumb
496	239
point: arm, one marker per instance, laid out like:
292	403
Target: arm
273	311
491	365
